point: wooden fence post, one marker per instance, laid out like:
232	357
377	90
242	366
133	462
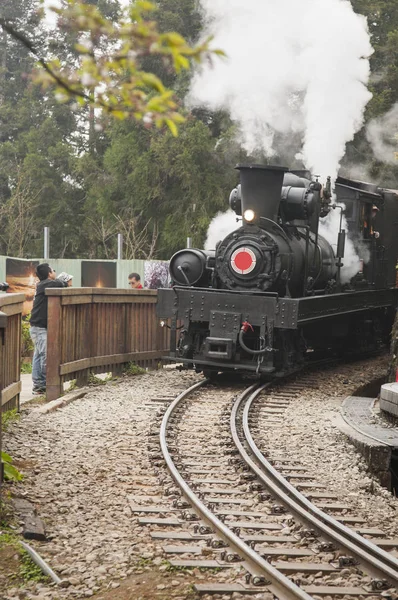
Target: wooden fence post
2	333
54	348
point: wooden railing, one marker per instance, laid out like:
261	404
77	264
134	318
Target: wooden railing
94	330
10	351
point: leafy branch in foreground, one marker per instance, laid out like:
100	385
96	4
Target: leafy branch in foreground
11	473
107	70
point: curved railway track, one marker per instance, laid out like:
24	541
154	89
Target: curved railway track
259	568
362	552
238	536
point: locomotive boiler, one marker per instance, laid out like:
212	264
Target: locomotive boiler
274	293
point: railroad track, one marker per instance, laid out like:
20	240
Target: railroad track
247	517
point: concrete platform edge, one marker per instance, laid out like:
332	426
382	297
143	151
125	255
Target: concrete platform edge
377	455
60	402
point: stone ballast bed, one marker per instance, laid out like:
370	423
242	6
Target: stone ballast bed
86	462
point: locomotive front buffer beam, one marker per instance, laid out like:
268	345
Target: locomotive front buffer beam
215	317
211	321
202	304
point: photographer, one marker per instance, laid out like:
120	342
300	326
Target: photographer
38	325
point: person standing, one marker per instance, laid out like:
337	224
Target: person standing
135	281
38	325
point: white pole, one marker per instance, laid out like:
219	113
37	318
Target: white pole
189	242
46	243
119	246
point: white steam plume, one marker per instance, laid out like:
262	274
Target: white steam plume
382	134
220	227
292	67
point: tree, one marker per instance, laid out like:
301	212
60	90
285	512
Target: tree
35	154
109	75
17	218
171	187
382	18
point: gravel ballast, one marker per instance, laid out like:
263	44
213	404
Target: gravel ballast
86	463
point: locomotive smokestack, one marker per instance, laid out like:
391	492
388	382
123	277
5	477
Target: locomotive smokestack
261	188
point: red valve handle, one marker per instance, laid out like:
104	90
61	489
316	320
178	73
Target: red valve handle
246	326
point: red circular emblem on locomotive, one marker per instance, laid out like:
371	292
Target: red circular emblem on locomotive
243	261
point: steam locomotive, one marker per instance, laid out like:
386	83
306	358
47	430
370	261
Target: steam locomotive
275	293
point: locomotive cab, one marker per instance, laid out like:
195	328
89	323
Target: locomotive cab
371	214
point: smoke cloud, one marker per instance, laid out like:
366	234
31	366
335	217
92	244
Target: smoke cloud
292	67
381	133
220	227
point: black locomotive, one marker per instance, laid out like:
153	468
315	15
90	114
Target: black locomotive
275	292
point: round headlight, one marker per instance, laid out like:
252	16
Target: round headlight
249	215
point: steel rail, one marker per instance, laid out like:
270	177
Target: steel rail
378	562
281	586
340	528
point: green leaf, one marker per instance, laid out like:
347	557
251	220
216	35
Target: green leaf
143	5
174	39
5	458
180	62
172	126
152	81
11	473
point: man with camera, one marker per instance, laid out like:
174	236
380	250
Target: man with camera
38	322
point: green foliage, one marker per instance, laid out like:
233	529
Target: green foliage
94	380
29	571
11	473
8	538
8	417
26	368
382	17
144	562
72	386
109	52
173	569
27	344
133	369
393	365
383	25
171	186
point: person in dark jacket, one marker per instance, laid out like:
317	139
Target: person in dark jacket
38	325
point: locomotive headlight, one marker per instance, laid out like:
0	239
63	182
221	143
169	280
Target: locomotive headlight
249	215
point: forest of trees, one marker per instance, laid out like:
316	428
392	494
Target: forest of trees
87	180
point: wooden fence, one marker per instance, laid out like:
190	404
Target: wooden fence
10	351
10	354
97	330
